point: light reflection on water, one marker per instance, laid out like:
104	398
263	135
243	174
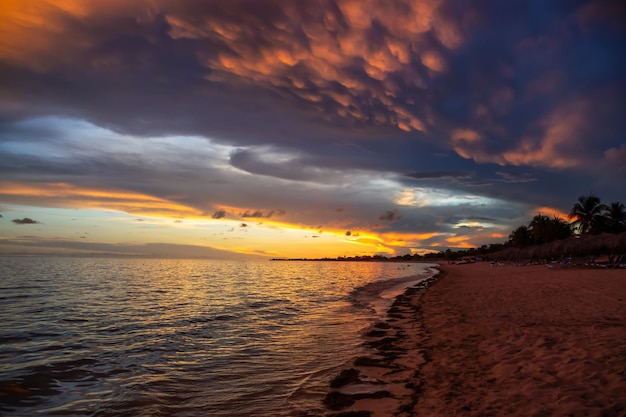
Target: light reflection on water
133	337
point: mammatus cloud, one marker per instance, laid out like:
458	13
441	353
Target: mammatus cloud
328	54
183	109
556	141
525	92
25	220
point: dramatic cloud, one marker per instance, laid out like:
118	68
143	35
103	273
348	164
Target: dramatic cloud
220	111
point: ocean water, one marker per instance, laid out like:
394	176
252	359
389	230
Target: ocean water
149	337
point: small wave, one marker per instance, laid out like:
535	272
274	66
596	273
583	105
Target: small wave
225	317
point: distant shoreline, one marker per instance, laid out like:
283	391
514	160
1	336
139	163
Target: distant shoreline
360	259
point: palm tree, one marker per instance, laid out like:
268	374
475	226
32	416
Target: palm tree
588	214
520	237
544	229
615	217
539	229
560	228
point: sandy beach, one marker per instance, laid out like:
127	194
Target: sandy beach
493	341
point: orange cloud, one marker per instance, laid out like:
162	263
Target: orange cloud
560	144
549	211
467	144
457	239
466	135
67	195
36	33
30	31
460	242
411	236
337	43
433	61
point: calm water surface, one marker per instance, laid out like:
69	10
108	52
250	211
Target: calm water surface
145	337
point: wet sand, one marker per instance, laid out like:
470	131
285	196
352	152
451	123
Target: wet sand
496	340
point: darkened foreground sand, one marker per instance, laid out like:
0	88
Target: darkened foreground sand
497	341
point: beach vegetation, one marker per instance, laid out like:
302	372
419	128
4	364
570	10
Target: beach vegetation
616	218
595	229
589	215
520	237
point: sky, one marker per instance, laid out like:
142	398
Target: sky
287	128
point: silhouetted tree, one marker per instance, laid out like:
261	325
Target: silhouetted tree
615	218
561	229
520	237
588	214
540	229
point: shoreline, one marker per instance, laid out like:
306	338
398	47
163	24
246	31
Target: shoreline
381	294
494	340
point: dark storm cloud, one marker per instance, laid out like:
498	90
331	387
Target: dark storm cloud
523	92
542	72
524	100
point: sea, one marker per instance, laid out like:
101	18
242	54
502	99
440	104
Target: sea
163	337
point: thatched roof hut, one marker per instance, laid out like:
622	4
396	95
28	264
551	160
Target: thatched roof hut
602	244
573	246
619	242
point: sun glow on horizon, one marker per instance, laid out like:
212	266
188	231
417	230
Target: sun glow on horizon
549	211
113	216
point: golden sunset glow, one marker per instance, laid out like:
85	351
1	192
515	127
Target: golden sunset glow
71	196
551	212
301	128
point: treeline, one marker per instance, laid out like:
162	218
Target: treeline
588	217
